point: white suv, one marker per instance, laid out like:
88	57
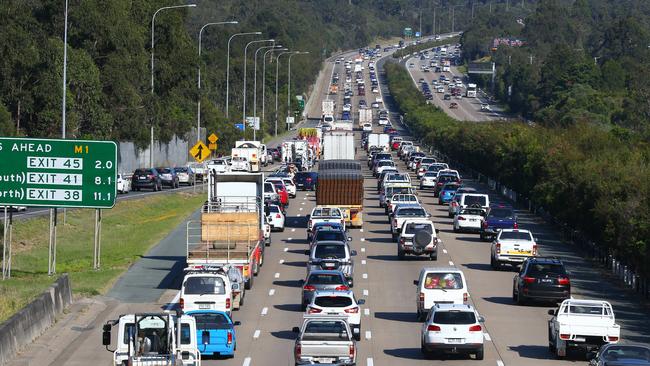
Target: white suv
452	328
206	289
338	303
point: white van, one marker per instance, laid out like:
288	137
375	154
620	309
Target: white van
439	285
206	289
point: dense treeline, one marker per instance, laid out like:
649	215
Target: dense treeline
583	61
109	94
593	179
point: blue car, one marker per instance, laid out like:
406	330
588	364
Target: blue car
306	181
447	193
499	217
215	332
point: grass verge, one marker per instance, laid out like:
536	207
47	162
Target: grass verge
129	230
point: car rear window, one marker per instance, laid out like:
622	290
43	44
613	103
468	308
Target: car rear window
325	330
541	269
325	279
475	200
454	317
142	172
330	235
414	227
329	250
628	352
443	281
447	178
415	211
326	212
386	163
333	301
205	285
472	211
163	170
211	321
502	213
383	156
515	235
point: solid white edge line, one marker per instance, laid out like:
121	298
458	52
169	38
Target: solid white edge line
369	362
247	361
487	337
265	310
500	363
256	334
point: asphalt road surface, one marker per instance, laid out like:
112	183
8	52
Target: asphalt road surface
514	335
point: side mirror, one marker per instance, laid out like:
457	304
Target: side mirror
552	312
205	337
353	253
361	301
295	330
106	335
350	283
236	323
481	319
349	238
437	231
428	214
416	282
307	252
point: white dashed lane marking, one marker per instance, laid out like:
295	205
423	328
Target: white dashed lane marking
265	310
500	363
363	239
247	361
271	292
369	362
363	250
282	260
368	334
444	251
363	261
365	292
451	263
286	249
256	334
365	275
277	275
293	230
289	239
487	337
366	312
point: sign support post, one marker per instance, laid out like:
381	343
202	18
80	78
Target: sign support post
5	234
98	239
51	260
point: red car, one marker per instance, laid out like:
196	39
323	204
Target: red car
282	192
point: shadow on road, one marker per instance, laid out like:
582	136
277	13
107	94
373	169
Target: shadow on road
409	317
288	283
289	307
285	334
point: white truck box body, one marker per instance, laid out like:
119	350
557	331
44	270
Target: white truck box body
338	145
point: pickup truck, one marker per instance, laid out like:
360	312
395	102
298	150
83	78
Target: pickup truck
324	339
581	323
512	246
498	218
324	214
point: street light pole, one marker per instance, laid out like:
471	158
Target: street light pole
228	66
198	102
245	63
65	69
289	82
255	85
264	77
277	73
153	24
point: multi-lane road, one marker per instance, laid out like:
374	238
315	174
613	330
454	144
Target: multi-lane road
514	335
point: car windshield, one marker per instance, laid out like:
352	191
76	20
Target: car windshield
325	330
333	301
326	212
211	321
625	352
329	250
428	161
411	211
414	227
398	177
274	209
330	235
515	235
475	200
205	285
443	281
454	317
502	213
334	225
430	174
543	269
396	190
325	279
268	187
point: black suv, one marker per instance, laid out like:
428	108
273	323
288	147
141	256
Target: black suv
543	279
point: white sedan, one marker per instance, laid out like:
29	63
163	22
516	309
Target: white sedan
291	187
469	219
123	183
367	127
276	217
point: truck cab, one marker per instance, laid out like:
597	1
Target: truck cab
153	339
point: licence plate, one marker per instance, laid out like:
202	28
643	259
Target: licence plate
518	252
330	265
204	306
143	178
325	360
546	280
455	340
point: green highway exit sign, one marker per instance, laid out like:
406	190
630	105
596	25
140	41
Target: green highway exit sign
57	173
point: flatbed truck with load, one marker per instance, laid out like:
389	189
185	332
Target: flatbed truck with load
340	184
231	228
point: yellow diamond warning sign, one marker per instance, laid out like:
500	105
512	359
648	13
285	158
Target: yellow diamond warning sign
200	152
213	138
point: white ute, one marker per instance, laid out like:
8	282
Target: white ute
581	323
512	246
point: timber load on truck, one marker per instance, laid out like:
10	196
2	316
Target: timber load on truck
340	184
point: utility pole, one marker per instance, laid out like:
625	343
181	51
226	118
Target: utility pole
507	5
473	9
531	57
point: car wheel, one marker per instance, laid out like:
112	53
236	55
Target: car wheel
456	229
493	263
282	229
400	254
482	237
433	257
521	299
479	354
514	295
450	215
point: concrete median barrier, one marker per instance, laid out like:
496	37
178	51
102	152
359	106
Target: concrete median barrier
29	323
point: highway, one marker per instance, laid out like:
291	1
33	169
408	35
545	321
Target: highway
514	335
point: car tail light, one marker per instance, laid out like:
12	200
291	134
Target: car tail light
352	351
309	288
535	249
229	341
563	281
402	241
484	224
475	328
277	216
565	336
308	179
342	221
150	176
421	297
227	303
454	203
395	223
353	310
612	339
529	279
465	297
515	226
297	351
341	288
309	223
181	303
314	310
461	218
433	328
